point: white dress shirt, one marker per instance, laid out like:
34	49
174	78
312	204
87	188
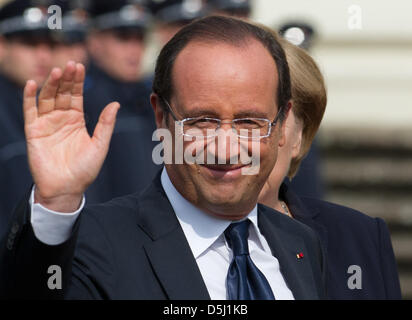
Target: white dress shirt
51	227
204	233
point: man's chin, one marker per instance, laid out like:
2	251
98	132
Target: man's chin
228	207
227	196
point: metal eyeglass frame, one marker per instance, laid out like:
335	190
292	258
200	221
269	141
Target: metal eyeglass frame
181	123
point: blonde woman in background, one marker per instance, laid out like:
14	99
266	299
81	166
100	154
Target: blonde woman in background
358	249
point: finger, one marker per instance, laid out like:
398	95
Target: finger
104	128
29	102
77	90
48	92
63	96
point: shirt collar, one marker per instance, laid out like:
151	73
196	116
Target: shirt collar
200	228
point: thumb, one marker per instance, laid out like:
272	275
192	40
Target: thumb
104	128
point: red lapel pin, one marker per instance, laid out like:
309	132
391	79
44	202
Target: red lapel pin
299	255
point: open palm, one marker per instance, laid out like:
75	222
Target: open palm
64	160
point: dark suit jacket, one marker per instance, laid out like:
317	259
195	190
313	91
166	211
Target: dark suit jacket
15	175
350	238
134	248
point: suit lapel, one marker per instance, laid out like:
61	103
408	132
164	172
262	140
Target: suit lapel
303	214
169	252
321	230
176	267
285	247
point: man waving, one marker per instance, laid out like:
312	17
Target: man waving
196	232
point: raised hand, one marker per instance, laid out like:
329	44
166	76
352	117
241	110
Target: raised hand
63	158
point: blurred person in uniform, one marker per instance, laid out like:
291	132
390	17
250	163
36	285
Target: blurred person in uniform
116	43
26	48
308	181
234	8
169	16
172	15
71	38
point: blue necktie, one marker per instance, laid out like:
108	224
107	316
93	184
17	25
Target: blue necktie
244	280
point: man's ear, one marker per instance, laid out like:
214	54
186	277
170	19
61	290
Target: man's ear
158	110
282	138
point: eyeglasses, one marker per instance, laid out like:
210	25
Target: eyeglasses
204	127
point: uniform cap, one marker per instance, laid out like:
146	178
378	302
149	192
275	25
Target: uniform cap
233	7
74	21
298	33
177	11
24	17
109	14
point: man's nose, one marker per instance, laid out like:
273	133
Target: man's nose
225	146
44	52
